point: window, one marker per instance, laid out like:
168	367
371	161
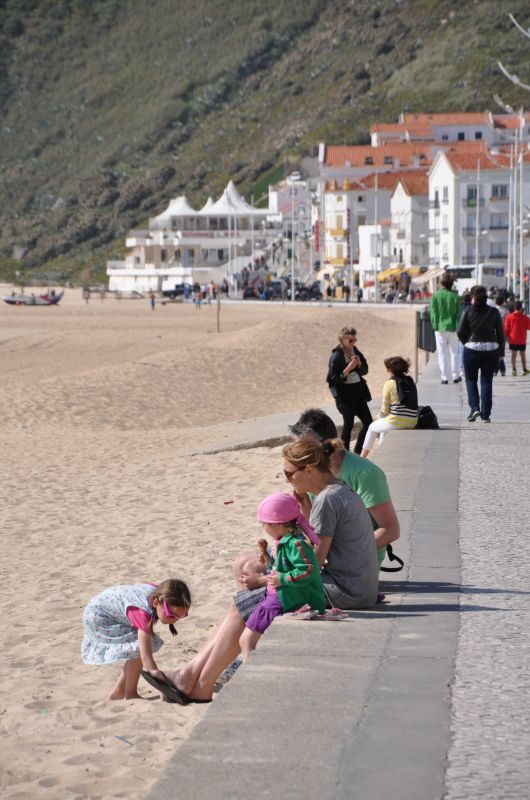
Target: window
369	160
499	221
361	219
499	250
163	255
360	199
445	252
445	193
461	136
445	137
471	192
339	221
478	134
388	160
499	191
340	198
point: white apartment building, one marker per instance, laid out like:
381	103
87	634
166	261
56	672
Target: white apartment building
374	256
469	208
409	230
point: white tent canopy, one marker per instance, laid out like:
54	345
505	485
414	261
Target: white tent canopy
232	204
178	207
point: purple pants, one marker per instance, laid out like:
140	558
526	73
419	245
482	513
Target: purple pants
264	613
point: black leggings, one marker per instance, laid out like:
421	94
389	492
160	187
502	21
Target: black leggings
351	404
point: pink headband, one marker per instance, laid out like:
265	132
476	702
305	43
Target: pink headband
283	507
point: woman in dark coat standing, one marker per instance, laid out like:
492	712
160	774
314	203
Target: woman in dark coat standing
347	366
480	331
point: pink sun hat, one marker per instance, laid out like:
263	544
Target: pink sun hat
283	507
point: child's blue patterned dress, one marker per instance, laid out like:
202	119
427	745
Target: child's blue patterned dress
109	635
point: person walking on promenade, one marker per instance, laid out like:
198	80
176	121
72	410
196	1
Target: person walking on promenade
346	369
118	626
481	332
444	310
152	300
294	575
516	326
399	405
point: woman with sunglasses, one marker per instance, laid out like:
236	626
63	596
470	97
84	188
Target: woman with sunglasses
347	552
346	369
118	626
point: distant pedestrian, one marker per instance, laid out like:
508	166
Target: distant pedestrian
444	310
359	294
480	330
516	326
152	300
346	293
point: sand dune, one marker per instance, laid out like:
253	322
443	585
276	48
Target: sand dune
99	405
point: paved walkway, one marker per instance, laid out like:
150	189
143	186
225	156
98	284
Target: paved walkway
425	697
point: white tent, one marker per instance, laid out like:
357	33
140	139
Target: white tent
178	207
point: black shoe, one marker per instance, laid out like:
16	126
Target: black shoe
457	380
487	419
473	416
444	382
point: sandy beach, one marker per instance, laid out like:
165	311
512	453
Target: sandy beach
101	407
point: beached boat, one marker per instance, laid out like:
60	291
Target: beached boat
20	299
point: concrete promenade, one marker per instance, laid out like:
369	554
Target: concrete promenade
426	696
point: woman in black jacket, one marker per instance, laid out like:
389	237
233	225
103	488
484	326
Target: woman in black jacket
480	331
347	365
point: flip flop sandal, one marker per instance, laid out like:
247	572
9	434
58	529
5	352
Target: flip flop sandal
166	687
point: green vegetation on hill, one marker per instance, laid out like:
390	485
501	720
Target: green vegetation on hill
111	107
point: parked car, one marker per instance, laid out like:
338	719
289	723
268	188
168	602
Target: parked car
302	292
177	291
276	290
311	292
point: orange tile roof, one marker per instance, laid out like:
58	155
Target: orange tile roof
389	180
509	121
456	118
470	146
415	184
467	162
337	155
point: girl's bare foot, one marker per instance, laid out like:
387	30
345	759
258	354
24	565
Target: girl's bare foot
116	694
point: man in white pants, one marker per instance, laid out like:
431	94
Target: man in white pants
444	311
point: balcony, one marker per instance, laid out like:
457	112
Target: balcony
339	233
469	231
473	259
471	202
434	204
494	199
502	227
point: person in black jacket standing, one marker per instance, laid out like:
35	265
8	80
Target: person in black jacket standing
347	366
480	331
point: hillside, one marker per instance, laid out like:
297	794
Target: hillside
109	107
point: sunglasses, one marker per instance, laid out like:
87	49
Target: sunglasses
168	613
288	475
